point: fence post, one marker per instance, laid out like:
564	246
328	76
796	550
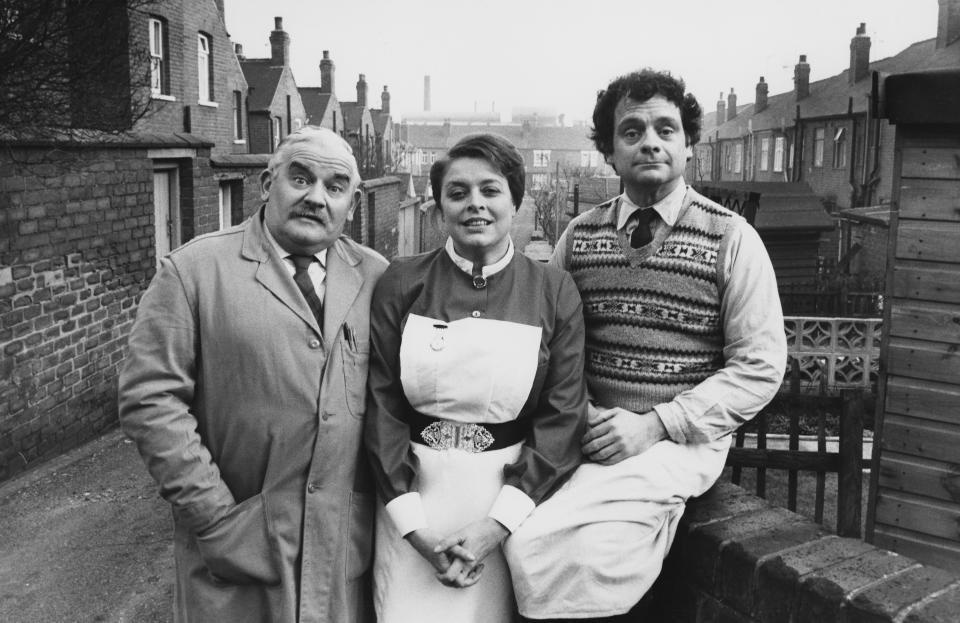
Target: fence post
850	475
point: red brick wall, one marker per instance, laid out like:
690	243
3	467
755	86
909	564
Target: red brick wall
387	194
76	241
737	559
185	20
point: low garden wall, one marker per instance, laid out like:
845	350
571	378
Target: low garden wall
738	559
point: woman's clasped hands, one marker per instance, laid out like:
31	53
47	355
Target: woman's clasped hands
458	557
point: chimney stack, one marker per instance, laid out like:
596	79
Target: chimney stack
426	94
327	69
760	103
859	55
948	23
721	110
362	91
385	101
801	78
279	44
238	50
731	105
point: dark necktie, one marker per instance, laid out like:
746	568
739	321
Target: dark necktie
303	281
642	236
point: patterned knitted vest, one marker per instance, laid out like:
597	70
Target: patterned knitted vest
652	315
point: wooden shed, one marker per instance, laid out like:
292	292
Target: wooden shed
915	490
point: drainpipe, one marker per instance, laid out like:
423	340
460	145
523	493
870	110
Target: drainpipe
797	148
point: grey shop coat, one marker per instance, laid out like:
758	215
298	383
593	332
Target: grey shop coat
250	420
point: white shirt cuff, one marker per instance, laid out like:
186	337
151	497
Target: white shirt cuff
406	512
511	507
667	413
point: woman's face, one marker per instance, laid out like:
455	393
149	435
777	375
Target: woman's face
477	209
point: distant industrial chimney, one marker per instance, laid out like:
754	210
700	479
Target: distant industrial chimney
721	110
760	103
362	91
385	101
948	23
327	70
426	94
801	78
731	105
859	55
279	44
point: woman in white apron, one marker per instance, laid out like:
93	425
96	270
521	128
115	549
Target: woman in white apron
476	400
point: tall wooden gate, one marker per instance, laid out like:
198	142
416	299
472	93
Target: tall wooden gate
915	491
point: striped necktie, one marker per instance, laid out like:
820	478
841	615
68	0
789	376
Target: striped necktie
301	263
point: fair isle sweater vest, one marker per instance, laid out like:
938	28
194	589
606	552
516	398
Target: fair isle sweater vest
652	314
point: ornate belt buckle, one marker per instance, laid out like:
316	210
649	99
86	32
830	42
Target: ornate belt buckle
445	435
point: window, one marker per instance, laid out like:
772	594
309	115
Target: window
738	158
237	116
159	71
727	158
277	127
205	67
818	136
840	148
541	157
539	180
778	154
589	159
764	153
231	203
703	164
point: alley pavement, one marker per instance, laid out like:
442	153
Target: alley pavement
86	537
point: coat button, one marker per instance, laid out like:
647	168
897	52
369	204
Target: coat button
314	343
311	488
475	314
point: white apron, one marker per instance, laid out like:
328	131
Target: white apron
470	370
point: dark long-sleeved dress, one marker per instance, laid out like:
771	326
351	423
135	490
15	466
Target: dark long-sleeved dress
510	351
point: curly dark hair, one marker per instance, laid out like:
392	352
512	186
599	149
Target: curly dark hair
495	149
641	86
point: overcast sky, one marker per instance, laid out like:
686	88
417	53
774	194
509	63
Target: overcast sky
556	54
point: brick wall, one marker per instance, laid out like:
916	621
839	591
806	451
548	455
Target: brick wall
870	264
387	194
737	559
185	20
76	242
826	180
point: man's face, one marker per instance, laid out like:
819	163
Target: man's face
650	149
310	193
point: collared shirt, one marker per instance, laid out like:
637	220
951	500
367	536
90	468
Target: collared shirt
467	266
317	270
754	349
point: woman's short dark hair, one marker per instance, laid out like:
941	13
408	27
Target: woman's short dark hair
495	149
641	86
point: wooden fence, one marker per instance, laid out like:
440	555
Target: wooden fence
847	461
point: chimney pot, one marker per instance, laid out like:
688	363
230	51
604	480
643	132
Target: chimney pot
761	98
859	55
279	44
948	23
731	105
801	78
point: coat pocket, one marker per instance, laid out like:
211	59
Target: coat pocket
355	364
241	548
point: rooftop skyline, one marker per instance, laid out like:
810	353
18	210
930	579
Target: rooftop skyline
556	55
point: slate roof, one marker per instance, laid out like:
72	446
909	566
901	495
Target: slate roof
783	205
831	96
262	80
380	120
315	103
352	114
533	137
